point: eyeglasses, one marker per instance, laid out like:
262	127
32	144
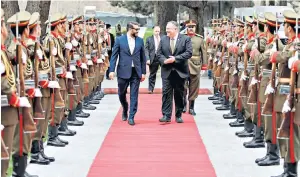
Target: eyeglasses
190	26
137	29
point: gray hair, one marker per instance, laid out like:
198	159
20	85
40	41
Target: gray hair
174	23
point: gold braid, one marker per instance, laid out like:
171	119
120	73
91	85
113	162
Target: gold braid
29	68
10	76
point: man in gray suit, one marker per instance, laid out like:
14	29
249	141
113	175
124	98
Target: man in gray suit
151	47
173	52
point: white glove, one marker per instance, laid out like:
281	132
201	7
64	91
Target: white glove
53	84
68	45
73	68
215	60
24	57
24	102
286	107
54	51
253	81
234	72
292	59
273	49
100	40
99	60
88	56
69	75
89	62
38	93
2	68
103	57
105	54
84	66
219	62
229	44
39	54
91	40
243	77
226	68
2	127
74	42
269	90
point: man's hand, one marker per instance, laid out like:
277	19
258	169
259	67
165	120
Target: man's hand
148	62
171	59
111	75
143	77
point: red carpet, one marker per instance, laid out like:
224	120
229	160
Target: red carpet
202	91
151	148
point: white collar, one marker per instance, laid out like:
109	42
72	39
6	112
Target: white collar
130	37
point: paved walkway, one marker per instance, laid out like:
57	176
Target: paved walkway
225	150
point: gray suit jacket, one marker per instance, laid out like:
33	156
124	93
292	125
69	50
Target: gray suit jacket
150	49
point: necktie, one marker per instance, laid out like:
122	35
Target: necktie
172	45
157	43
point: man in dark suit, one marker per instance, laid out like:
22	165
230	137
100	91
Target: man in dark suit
131	68
110	42
151	47
173	53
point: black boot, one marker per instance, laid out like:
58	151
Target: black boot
224	106
284	171
184	105
232	113
91	100
86	104
258	140
239	122
267	154
215	96
248	130
273	158
220	100
191	110
80	113
36	156
19	165
72	121
97	95
63	129
291	170
29	175
52	137
42	151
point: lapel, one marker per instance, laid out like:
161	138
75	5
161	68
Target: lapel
177	43
135	46
126	43
168	42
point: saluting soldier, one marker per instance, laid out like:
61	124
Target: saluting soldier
290	149
195	65
22	139
9	112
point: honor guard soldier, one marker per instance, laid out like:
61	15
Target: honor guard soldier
10	102
58	72
286	99
195	65
42	70
19	24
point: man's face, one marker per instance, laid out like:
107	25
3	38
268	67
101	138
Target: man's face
254	28
26	32
171	30
92	26
287	29
156	31
76	27
191	29
135	30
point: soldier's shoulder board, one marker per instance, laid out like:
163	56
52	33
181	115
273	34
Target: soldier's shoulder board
30	42
198	35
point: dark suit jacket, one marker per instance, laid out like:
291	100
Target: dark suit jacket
183	51
112	41
150	49
121	49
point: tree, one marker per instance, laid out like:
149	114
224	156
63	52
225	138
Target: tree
165	11
43	8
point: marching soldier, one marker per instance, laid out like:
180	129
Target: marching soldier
9	112
22	138
288	63
195	65
37	55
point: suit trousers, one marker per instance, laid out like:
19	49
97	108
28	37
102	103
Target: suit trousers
134	82
173	84
152	77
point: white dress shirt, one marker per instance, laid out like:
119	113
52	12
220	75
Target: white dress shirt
156	42
131	44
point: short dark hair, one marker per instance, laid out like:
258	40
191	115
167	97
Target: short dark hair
130	25
155	26
108	26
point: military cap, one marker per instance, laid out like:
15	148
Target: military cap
91	20
23	19
63	18
190	22
249	20
290	17
225	20
260	18
271	19
238	22
54	19
76	19
34	20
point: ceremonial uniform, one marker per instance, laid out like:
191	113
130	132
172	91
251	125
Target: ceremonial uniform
195	63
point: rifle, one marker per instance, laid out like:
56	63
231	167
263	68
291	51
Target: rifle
38	108
268	106
4	152
244	87
235	80
85	77
284	130
25	117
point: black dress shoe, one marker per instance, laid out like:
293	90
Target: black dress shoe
179	120
29	175
229	116
37	158
124	116
51	159
75	122
80	113
63	141
165	119
131	122
66	132
55	142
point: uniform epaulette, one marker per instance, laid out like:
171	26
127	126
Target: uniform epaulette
30	42
199	35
